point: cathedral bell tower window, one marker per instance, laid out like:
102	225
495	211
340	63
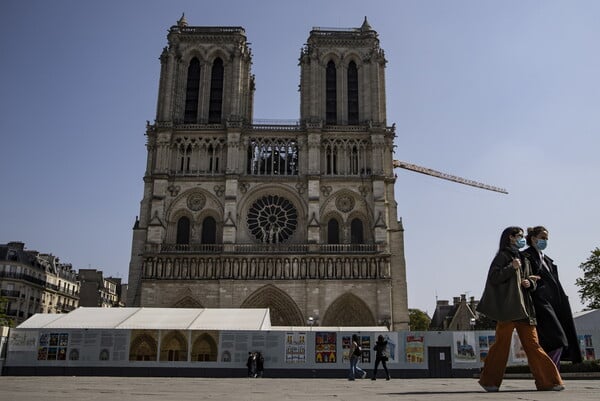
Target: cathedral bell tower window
216	92
352	94
331	94
192	92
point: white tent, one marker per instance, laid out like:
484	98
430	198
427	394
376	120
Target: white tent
153	318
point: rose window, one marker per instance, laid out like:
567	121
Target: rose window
196	201
344	203
272	219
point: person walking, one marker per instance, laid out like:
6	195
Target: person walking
260	364
355	353
251	364
555	325
507	300
381	356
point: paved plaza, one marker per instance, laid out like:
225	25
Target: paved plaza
59	388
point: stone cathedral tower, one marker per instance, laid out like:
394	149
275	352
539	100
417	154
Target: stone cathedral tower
298	218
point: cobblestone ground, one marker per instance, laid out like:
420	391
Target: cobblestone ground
181	389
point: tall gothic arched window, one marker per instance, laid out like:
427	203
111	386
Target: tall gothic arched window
356	232
183	231
192	92
352	94
209	231
330	94
216	92
333	232
185	154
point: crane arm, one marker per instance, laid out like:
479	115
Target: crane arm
445	176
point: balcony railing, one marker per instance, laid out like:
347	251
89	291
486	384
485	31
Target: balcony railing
25	277
267	248
10	293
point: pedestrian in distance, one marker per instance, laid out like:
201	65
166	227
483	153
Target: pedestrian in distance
381	356
355	353
260	364
555	325
507	300
251	364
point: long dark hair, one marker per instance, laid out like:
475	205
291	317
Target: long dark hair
505	237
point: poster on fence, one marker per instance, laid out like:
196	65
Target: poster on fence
415	348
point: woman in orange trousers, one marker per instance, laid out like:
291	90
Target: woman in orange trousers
507	299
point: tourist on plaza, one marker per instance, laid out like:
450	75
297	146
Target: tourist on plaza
381	356
251	364
507	300
355	353
260	364
555	326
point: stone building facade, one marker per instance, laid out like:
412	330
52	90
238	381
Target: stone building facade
32	282
99	291
301	217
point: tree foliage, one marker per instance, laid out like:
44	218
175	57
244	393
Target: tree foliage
4	319
418	320
589	284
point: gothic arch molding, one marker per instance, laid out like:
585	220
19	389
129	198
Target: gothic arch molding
334	56
283	310
348	310
187	302
330	205
204	348
353	56
173	347
143	348
189	54
178	204
216	53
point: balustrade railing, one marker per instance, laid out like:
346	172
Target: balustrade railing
267	248
265	267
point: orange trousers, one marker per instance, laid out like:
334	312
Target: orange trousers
543	369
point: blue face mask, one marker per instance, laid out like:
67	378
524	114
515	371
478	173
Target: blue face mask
520	243
541	244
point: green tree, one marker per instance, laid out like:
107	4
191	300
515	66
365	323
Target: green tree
4	319
418	320
589	284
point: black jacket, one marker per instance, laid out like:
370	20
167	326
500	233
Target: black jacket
555	324
380	348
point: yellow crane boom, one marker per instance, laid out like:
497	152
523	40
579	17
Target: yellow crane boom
445	176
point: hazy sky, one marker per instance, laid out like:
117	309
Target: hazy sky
504	92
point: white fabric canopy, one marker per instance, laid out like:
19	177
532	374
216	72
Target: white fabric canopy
153	318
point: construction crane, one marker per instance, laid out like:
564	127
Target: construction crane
449	177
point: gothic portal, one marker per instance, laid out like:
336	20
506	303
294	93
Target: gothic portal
299	218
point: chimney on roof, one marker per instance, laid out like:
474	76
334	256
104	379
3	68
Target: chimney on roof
16	245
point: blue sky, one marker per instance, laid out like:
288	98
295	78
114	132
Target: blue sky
504	92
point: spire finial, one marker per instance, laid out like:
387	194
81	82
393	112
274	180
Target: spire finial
365	25
182	22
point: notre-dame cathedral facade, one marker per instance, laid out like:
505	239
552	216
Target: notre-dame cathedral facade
300	218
